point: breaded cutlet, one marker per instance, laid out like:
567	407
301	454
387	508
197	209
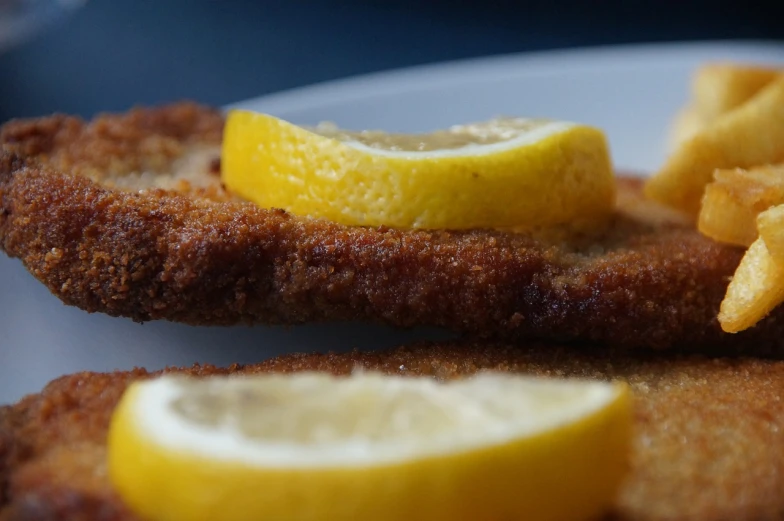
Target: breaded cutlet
125	215
709	431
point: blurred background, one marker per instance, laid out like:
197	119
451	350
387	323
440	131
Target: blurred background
86	57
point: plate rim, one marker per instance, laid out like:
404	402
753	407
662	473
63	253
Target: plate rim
504	66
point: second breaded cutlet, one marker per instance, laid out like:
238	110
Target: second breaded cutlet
709	431
125	215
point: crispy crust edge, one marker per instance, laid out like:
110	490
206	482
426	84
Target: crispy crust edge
161	255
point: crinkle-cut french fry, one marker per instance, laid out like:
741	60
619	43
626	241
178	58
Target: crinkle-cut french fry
725	219
720	87
770	224
756	288
750	135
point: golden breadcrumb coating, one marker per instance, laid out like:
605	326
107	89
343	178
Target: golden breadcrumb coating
125	215
709	446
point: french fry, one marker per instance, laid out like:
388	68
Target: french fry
720	87
733	201
716	89
725	219
770	224
686	124
750	135
756	288
734	124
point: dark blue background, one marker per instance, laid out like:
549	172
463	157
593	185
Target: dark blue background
115	53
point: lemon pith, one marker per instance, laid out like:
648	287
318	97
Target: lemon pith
569	470
550	173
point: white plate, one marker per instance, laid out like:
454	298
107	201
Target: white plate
631	92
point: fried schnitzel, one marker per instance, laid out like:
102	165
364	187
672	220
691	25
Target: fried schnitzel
709	443
126	216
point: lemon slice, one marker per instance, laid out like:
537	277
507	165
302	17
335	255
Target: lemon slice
502	173
369	447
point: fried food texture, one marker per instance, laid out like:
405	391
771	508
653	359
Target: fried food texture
708	441
716	89
125	215
749	135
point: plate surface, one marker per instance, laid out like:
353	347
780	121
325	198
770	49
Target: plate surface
631	92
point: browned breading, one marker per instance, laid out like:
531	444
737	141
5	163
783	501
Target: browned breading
206	259
710	432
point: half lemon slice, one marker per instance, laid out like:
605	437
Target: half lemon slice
369	447
510	172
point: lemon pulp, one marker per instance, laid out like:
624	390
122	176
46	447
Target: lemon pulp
511	172
316	447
